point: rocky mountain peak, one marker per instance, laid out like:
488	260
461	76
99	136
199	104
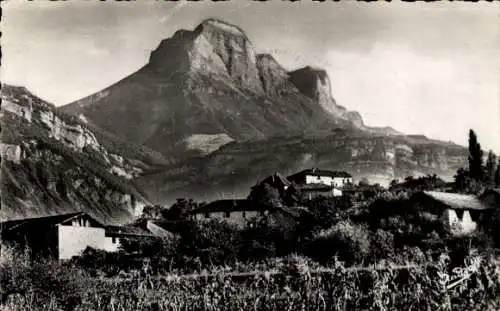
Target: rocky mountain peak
312	82
217	25
274	78
213	48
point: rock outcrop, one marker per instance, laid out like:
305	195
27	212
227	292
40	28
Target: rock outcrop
231	171
53	163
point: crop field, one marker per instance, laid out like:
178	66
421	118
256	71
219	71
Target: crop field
294	285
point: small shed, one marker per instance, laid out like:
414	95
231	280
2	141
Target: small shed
460	213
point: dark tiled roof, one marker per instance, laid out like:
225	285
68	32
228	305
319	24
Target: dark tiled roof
127	231
320	172
457	201
226	206
314	187
294	212
42	221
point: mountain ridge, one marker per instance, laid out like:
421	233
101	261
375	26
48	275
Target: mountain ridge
211	79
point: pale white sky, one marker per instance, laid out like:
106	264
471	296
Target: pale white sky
427	68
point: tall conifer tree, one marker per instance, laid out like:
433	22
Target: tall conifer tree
475	157
497	174
490	169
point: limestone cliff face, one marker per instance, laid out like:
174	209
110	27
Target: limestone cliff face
272	75
214	47
235	167
315	84
52	163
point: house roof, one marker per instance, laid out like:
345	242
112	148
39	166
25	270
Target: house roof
48	221
45	221
226	206
127	231
457	201
314	187
294	211
320	172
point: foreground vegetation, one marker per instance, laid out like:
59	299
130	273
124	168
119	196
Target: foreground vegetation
295	283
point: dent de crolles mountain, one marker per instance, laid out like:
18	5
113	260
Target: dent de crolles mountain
54	163
211	81
226	116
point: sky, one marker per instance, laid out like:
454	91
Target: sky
422	68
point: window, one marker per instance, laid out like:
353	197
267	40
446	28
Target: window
113	240
207	215
244	214
227	214
460	214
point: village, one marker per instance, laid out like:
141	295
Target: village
64	236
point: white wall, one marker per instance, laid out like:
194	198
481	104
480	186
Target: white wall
73	240
459	226
110	246
341	181
327	180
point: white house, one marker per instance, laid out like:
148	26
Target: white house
318	176
66	235
316	182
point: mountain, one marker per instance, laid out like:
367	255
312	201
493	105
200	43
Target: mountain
211	81
54	163
224	116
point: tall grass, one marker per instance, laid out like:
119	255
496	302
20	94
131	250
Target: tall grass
294	284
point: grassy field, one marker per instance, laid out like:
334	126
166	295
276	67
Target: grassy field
295	284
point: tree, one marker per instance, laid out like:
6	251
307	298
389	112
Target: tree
490	167
152	211
180	209
364	182
461	178
475	157
265	195
393	183
497	174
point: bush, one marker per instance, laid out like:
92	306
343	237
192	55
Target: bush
53	284
350	242
212	241
382	245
